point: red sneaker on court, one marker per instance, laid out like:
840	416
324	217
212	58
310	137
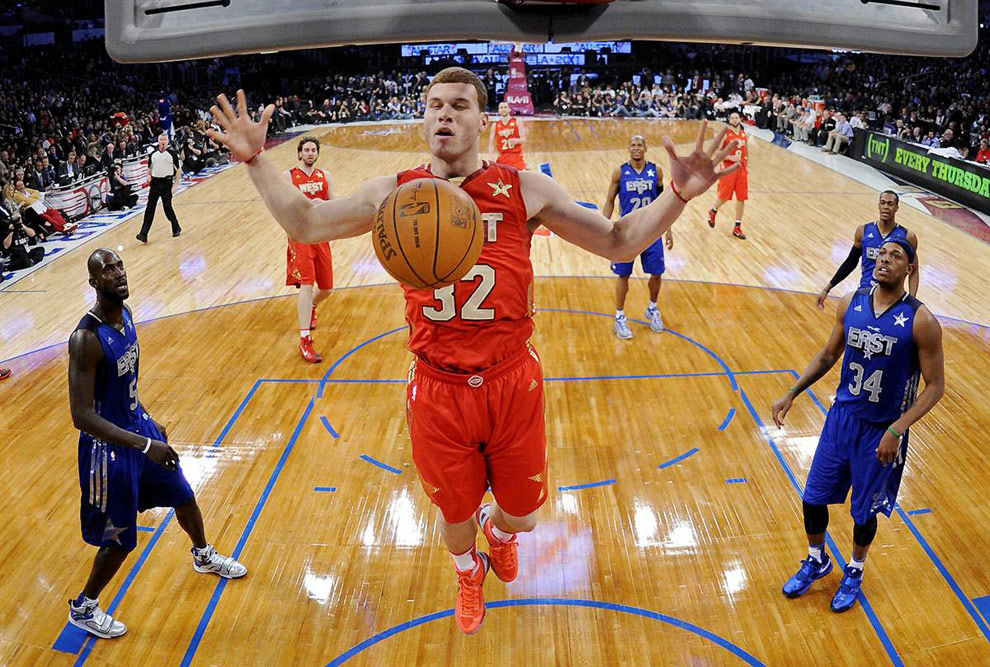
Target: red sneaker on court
307	351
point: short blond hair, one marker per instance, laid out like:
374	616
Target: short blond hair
461	75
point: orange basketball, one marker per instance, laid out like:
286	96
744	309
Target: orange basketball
428	233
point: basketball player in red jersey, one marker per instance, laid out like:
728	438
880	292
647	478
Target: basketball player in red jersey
738	183
475	394
507	137
309	263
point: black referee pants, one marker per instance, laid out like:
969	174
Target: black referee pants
161	188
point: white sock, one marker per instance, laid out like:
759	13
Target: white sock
856	564
818	553
84	600
501	535
465	561
620	314
738	223
304	333
200	552
652	306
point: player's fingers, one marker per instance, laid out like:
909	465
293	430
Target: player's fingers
219	116
699	143
241	103
716	142
719	173
721	154
668	144
226	108
266	115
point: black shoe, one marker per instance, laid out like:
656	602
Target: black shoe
176	233
141	238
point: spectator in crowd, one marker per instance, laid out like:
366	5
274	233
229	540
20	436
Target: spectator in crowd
36	213
840	136
68	170
983	155
107	158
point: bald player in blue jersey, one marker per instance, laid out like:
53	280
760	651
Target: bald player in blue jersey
866	246
125	463
886	338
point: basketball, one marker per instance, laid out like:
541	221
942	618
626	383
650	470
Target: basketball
428	233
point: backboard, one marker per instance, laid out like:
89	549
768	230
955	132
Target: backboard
158	30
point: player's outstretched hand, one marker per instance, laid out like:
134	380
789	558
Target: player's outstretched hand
781	407
695	173
822	296
163	455
243	137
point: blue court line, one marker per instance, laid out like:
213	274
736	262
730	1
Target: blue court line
736	480
545	168
728	418
319	392
555	602
655	376
326	425
921	511
983	604
145	529
383	466
222	583
811	394
590	127
589	485
937	562
573	129
91	640
732	377
678	459
325	489
833	547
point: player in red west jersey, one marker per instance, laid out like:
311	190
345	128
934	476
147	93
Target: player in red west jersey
507	138
738	183
475	392
309	263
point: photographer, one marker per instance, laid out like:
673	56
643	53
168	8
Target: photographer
122	194
16	238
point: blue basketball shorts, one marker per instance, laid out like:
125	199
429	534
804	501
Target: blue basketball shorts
651	259
847	457
117	482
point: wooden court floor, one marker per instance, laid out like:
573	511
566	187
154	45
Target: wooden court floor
675	515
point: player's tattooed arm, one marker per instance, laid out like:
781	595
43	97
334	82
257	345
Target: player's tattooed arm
819	365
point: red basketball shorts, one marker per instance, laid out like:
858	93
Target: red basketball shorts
513	160
472	432
735	183
306	264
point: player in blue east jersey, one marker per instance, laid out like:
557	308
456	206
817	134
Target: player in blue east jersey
125	465
637	183
866	246
886	338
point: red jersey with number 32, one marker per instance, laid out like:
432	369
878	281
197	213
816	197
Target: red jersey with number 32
313	186
487	315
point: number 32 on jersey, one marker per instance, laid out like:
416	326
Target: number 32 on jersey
471	310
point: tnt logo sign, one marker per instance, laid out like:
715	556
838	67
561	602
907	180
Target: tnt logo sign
639	186
877	148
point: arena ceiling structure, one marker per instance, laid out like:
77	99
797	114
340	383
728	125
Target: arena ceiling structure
162	30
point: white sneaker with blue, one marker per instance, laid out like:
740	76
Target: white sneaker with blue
811	571
621	327
86	614
845	598
652	316
208	561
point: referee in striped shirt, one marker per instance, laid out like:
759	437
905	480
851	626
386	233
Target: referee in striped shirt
165	173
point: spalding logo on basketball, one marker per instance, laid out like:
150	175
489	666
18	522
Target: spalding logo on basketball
428	233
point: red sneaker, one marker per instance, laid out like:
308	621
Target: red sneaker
307	351
4	373
469	608
738	232
711	218
312	319
504	555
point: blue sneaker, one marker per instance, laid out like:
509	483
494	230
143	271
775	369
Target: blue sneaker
810	572
845	598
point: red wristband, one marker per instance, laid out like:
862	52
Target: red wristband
255	156
672	187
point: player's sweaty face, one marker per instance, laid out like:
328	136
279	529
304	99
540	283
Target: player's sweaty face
637	149
892	265
453	119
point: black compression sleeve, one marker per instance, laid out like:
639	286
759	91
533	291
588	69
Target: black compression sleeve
847	266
